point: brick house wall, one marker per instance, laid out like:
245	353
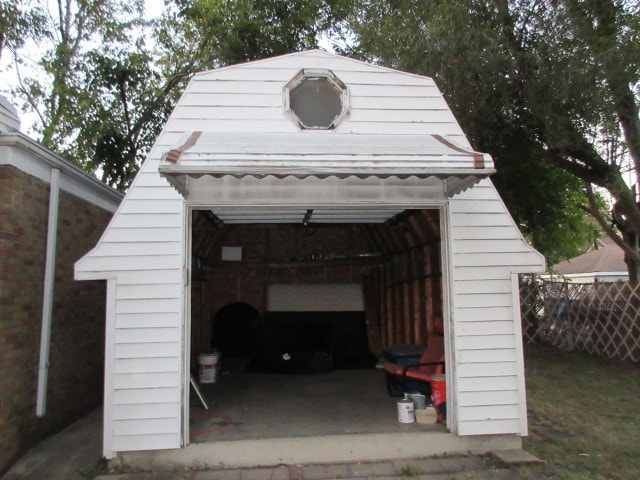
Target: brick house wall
75	381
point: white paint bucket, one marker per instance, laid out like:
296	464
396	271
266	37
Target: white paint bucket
208	367
405	411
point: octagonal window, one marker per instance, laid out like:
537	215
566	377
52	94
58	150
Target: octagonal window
316	99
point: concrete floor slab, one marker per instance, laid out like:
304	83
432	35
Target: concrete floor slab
314	450
249	405
343	416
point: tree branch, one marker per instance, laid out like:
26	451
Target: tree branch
594	211
627	112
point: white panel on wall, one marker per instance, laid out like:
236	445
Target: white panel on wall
315	298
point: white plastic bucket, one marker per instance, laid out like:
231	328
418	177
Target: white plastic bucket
405	411
208	367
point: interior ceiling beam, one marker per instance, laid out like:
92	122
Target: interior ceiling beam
410	235
433	221
379	240
399	235
399	241
407	222
365	231
418	229
388	239
396	219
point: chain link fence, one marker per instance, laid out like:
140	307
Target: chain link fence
597	318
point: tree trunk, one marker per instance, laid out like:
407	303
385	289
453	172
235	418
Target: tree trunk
632	265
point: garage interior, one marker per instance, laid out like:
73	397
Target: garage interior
305	373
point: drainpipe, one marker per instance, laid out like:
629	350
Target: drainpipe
47	300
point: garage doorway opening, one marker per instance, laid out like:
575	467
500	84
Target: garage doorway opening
332	386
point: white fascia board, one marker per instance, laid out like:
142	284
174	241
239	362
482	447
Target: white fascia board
28	156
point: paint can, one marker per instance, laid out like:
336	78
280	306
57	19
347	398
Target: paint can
208	367
405	411
419	401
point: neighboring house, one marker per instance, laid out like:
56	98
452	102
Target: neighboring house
366	168
51	327
602	263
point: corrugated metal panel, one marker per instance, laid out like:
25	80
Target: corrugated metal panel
275	193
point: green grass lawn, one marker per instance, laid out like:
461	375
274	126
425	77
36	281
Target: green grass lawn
584	416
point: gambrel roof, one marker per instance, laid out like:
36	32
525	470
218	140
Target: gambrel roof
235	122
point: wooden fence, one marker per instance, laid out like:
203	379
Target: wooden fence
598	318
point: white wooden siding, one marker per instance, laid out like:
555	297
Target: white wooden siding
148	359
142	250
201	114
225	99
486	248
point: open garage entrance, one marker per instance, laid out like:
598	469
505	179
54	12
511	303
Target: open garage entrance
301	304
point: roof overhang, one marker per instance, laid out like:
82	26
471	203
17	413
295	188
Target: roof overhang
28	156
322	155
293	177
